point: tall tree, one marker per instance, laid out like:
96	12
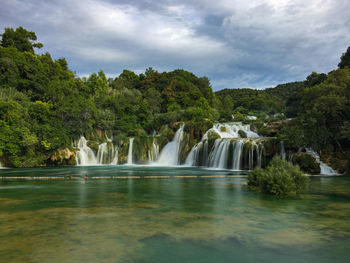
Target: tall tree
20	38
345	59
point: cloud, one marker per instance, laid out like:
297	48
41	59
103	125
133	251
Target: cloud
257	43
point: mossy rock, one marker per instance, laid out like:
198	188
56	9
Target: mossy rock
223	129
271	146
142	145
272	129
167	132
93	145
340	159
242	134
63	157
196	129
212	137
307	163
123	149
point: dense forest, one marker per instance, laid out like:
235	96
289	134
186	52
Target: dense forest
44	105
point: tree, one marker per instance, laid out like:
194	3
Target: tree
315	79
21	39
345	59
280	178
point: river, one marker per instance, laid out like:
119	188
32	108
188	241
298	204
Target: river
151	214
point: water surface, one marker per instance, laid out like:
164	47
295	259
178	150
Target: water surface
178	215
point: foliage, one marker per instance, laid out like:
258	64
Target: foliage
279	178
255	102
345	59
20	38
44	105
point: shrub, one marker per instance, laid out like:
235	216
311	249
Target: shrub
279	178
242	134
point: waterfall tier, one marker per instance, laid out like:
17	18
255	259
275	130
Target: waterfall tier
107	153
230	130
223	147
153	152
325	169
170	154
131	142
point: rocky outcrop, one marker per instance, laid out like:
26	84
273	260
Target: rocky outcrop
307	163
271	129
340	160
63	157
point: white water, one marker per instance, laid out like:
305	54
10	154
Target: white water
218	155
115	159
237	153
283	151
106	154
85	155
153	153
230	130
325	169
170	153
131	142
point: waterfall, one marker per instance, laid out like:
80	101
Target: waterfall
170	153
325	169
218	157
102	149
237	153
283	151
115	159
231	130
153	153
107	153
251	157
218	154
131	142
85	155
260	155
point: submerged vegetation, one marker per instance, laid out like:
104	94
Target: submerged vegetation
279	178
44	106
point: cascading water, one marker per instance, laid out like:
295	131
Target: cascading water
325	169
85	155
236	157
227	137
131	142
107	153
170	153
153	153
283	151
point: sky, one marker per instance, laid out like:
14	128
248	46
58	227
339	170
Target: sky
235	43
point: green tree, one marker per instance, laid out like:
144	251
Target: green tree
345	59
20	38
279	178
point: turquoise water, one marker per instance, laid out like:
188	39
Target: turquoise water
182	215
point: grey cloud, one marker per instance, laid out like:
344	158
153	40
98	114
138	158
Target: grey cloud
235	43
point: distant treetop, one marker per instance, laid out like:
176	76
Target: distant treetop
20	38
345	59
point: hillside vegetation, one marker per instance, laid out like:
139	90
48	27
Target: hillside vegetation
44	105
